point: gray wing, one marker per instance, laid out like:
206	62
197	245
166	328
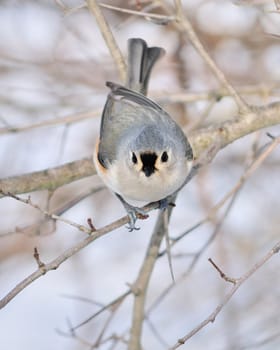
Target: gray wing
158	114
130	95
121	113
126	110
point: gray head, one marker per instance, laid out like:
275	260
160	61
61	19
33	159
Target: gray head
153	150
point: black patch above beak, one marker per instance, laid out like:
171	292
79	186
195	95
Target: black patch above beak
148	161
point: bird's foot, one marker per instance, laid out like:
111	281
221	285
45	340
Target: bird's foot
134	213
164	203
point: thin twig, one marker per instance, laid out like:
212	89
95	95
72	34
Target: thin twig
168	245
156	332
100	339
51	122
112	304
47	214
228	296
39	262
185	25
34	228
149	15
108	37
54	264
222	274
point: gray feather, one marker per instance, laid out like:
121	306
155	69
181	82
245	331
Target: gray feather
141	60
118	116
127	108
123	116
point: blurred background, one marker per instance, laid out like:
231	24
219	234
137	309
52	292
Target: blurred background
53	68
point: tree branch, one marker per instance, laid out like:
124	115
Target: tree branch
201	139
141	285
228	296
185	26
48	179
54	264
108	37
229	131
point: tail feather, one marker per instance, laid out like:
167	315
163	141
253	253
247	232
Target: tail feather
141	60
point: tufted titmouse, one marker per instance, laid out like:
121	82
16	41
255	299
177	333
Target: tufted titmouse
142	154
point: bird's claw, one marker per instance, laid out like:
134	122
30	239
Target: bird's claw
164	203
135	213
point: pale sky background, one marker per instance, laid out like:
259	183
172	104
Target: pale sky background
51	66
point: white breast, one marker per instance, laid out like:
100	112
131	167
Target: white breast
137	187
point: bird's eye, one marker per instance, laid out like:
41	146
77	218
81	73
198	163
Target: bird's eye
164	157
134	158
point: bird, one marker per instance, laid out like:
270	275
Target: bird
142	154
